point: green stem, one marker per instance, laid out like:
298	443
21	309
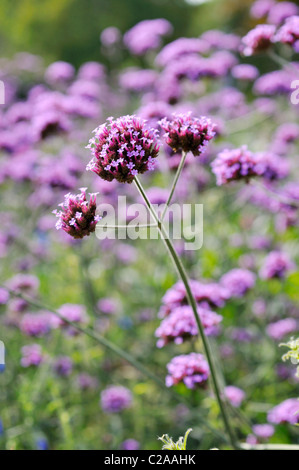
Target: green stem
176	178
183	275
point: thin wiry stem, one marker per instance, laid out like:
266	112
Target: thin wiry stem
176	178
183	275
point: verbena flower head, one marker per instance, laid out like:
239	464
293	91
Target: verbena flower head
261	8
234	395
241	163
206	295
78	215
115	399
187	133
31	355
238	281
258	39
130	444
276	265
245	72
180	324
281	11
122	149
191	369
278	330
146	35
263	431
63	366
289	33
36	324
285	412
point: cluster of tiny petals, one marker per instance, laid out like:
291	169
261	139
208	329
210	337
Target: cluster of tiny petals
285	412
241	163
238	281
122	149
289	33
276	265
180	324
115	399
191	369
208	296
77	216
234	395
187	133
258	39
280	329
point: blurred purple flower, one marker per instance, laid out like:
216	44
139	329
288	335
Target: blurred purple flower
285	412
32	355
192	369
234	395
115	399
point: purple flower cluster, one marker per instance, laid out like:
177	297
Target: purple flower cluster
74	313
31	355
146	35
187	133
236	164
276	265
63	366
261	8
280	11
285	412
282	328
115	399
246	72
130	444
78	215
263	431
238	282
138	80
192	369
4	296
207	296
36	324
181	47
289	33
122	149
234	395
59	72
274	83
180	324
258	39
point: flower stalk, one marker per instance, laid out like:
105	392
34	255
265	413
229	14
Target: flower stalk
184	277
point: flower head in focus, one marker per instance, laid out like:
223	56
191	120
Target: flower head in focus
122	149
186	133
78	215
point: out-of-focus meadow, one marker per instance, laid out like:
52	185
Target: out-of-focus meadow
67	65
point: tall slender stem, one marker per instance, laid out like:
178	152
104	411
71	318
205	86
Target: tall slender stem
176	178
184	277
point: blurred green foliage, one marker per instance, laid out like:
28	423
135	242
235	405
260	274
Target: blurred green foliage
69	29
